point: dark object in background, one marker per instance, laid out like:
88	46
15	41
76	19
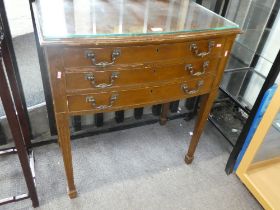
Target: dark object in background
77	123
138	113
174	106
119	116
191	105
156	109
3	139
99	120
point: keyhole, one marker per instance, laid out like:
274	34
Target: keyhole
151	91
157	50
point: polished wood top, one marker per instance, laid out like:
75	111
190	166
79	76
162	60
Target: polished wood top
70	19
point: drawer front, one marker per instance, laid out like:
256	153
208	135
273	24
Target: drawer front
112	56
109	101
134	76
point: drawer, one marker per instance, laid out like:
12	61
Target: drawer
111	56
102	79
114	100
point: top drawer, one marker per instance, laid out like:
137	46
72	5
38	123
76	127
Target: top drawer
137	55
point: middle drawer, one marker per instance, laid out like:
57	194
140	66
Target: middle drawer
92	79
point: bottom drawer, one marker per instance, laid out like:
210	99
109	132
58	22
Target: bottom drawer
110	101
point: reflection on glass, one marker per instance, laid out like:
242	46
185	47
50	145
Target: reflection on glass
92	18
243	86
210	4
270	147
276	122
2	113
252	16
56	20
85	16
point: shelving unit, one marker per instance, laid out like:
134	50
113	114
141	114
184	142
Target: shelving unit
15	111
248	67
233	101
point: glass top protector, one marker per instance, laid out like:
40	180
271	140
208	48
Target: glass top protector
96	18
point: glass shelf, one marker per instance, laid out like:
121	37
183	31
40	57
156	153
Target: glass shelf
239	83
253	17
89	19
239	90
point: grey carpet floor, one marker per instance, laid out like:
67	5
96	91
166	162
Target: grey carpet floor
139	168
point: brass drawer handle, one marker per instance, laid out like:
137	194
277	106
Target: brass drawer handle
92	101
91	77
91	55
194	49
190	68
186	90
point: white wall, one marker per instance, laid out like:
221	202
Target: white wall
19	16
